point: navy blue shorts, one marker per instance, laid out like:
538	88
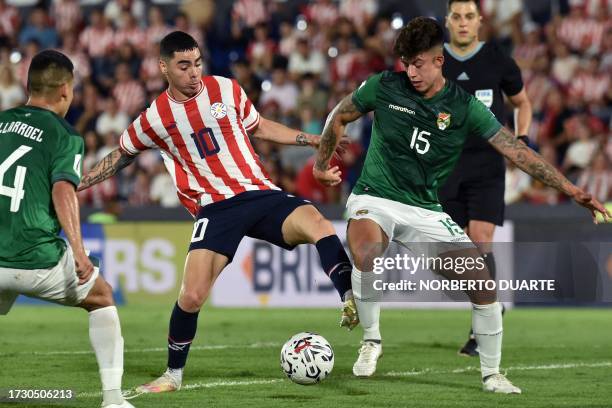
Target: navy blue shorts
220	226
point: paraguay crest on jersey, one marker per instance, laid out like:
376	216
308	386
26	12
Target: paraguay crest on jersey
444	120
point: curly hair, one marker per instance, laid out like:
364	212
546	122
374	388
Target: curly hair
419	35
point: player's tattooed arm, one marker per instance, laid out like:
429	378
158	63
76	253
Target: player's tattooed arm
533	164
333	132
106	168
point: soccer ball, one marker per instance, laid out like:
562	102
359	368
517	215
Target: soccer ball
307	358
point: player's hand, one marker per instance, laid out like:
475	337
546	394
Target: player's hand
587	201
330	177
84	267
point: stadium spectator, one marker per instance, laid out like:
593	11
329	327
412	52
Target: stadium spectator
128	92
112	120
97	41
581	150
130	32
249	13
162	188
281	91
261	49
322	12
517	183
117	11
590	84
157	28
596	179
360	12
66	14
39	30
149	70
564	64
82	67
11	91
305	60
288	38
9	20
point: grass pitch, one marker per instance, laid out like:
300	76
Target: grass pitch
559	357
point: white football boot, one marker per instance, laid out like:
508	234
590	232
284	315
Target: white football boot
500	384
369	353
165	383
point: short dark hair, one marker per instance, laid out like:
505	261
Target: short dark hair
48	71
176	41
477	2
420	35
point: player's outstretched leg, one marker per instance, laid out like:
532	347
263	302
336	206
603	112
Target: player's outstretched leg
107	342
202	268
366	242
306	225
481	233
486	323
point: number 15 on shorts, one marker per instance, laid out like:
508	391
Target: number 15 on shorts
199	228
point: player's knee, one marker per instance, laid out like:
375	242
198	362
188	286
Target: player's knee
324	227
191	301
100	296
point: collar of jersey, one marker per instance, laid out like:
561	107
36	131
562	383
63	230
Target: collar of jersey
464	57
186	100
439	94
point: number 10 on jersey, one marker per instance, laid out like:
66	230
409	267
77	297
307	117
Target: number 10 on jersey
205	142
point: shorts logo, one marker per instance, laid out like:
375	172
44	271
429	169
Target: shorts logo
218	110
444	120
361	212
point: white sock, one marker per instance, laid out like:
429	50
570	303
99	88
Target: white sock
488	330
367	306
105	336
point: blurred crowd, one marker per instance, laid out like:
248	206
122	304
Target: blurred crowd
296	60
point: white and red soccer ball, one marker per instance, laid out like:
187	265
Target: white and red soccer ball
307	358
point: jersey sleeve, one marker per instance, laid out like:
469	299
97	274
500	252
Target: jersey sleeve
246	110
137	137
364	98
512	81
481	121
67	158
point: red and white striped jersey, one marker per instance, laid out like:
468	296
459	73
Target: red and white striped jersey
203	142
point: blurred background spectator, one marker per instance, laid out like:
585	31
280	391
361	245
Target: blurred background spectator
296	59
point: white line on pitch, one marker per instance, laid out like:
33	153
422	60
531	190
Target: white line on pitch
516	368
425	371
148	350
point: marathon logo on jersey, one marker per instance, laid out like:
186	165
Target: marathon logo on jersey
218	110
402	109
485	96
444	120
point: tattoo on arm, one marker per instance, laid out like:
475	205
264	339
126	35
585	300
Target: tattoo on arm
107	167
301	139
343	113
529	161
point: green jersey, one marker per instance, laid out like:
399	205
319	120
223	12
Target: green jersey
37	148
416	141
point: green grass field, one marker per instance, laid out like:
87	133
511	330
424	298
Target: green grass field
559	357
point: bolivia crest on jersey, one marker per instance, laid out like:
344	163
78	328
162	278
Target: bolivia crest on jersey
443	120
218	110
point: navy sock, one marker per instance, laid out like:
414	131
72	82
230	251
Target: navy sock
336	263
183	326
